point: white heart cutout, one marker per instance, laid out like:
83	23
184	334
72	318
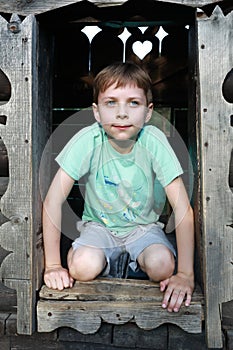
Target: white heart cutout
142	49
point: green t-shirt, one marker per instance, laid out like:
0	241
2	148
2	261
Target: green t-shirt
120	189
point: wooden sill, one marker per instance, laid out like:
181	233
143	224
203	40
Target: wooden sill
115	301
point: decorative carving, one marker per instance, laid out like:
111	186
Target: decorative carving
5	88
227	87
3	254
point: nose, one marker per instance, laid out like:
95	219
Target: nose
122	112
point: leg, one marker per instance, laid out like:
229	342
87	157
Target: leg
85	263
157	261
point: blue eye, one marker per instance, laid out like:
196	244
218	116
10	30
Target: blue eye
111	103
133	103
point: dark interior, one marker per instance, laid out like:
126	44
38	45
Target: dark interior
76	60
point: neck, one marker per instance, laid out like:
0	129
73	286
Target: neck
122	147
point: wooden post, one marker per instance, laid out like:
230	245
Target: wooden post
24	135
215	47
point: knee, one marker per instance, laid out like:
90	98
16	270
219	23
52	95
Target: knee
85	264
160	269
160	265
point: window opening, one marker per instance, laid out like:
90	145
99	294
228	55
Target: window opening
161	48
231	171
5	94
5	88
227	87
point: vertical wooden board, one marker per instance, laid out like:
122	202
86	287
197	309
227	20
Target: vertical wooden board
25	306
215	47
18	54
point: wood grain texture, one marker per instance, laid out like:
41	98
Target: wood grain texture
17	234
86	317
24	135
23	7
111	289
216	135
115	301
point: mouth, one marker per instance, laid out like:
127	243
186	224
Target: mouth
121	127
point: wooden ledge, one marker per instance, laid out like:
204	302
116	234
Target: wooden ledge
115	301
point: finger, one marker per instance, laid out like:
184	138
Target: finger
188	299
65	281
164	284
71	282
53	283
62	280
173	300
179	301
47	282
166	298
50	283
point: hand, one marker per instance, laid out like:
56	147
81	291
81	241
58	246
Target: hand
176	288
56	277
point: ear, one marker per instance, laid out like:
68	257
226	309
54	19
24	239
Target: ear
96	112
149	112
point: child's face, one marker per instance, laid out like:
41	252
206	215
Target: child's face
122	111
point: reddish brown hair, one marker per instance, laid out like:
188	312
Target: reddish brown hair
122	74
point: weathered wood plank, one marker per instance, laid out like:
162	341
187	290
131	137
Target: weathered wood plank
215	61
115	301
86	316
17	234
105	289
16	135
26	8
25	305
24	136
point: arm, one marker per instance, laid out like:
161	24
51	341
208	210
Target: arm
181	284
55	275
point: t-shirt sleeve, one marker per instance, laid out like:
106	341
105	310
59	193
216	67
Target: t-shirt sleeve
75	157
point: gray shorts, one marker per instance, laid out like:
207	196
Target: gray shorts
93	234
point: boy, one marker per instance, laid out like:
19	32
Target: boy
121	158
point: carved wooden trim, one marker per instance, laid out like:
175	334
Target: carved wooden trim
25	8
86	317
24	135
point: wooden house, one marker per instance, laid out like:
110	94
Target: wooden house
47	64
